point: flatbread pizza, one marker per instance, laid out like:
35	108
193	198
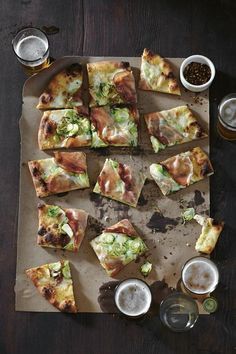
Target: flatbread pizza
116	126
117	246
65	172
62	228
64	89
181	170
174	126
111	82
157	75
64	128
54	283
120	182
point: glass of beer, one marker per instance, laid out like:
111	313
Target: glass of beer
200	276
179	312
227	117
31	48
133	297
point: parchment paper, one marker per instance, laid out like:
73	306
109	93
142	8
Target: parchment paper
157	218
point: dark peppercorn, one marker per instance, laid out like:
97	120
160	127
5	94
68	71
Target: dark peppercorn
197	73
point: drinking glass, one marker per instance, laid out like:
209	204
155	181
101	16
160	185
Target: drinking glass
179	312
31	48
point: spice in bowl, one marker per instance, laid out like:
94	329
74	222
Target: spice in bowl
197	73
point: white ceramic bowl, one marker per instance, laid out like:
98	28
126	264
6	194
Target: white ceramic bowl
197	59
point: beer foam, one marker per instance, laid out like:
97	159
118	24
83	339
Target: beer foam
228	112
133	297
31	48
200	275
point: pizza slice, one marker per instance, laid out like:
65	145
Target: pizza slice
180	171
111	82
54	282
60	227
64	128
174	126
117	246
65	172
157	75
64	89
120	182
117	126
210	233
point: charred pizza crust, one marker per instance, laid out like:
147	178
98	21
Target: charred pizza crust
174	126
64	128
181	170
210	233
116	125
111	82
117	246
61	228
64	89
156	74
54	283
120	182
65	172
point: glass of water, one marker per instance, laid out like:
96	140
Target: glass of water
31	48
179	312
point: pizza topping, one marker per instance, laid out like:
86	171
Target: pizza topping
48	292
180	167
71	161
72	125
159	128
42	231
125	174
54	211
125	85
146	268
66	271
67	229
166	183
188	215
124	227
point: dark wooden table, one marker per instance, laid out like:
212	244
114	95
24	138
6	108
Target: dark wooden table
116	28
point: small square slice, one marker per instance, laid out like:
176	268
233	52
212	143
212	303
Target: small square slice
117	246
174	126
181	170
60	227
64	128
210	233
116	126
111	82
64	89
157	75
65	172
54	282
120	182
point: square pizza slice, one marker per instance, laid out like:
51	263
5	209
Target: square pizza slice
62	228
120	182
65	172
181	170
54	282
64	128
117	246
64	89
157	75
111	82
174	126
116	126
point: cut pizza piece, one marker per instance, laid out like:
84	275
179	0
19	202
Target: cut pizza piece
180	171
64	128
117	126
111	82
117	246
64	89
156	74
60	227
120	182
65	172
174	126
211	231
54	282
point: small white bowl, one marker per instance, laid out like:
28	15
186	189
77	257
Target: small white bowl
197	59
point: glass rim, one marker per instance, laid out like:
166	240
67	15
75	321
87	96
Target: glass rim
30	28
192	292
223	122
116	288
186	296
